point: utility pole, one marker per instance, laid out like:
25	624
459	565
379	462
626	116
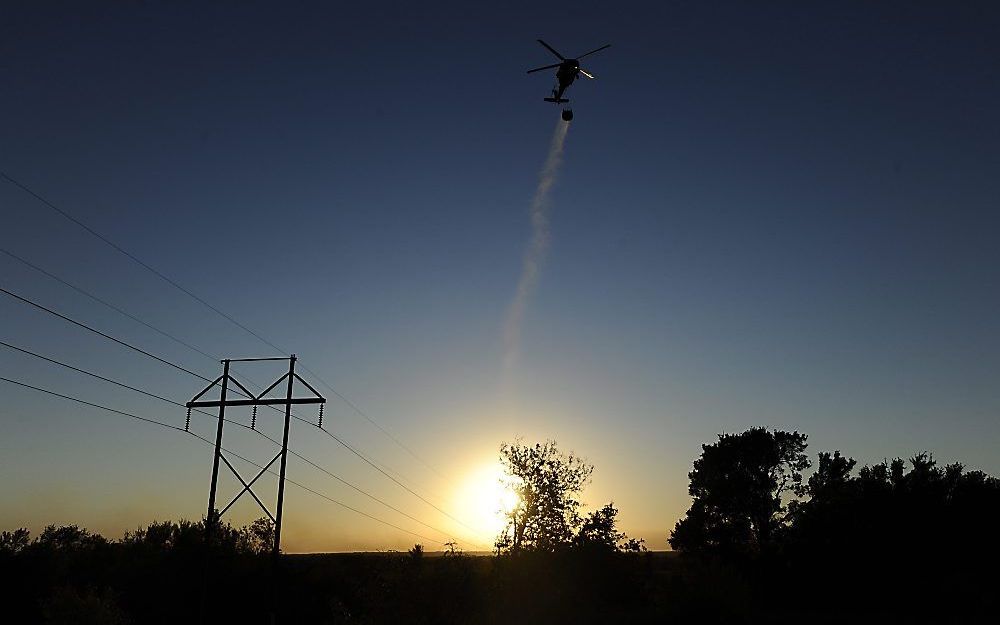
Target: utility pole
255	400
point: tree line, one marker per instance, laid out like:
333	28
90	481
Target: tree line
899	536
769	535
750	497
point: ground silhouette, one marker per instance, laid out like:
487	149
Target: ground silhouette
893	541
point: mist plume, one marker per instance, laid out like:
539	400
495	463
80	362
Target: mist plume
534	256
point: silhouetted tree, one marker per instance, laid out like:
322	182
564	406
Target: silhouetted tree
738	485
547	484
829	510
546	517
68	538
256	538
886	504
13	542
599	532
831	476
167	535
913	516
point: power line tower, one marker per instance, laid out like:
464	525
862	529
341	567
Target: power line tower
255	400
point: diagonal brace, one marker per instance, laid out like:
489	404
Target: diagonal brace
207	388
268	389
242	388
308	386
246	486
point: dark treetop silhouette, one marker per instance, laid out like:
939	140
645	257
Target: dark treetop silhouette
738	485
546	516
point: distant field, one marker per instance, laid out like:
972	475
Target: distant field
434	554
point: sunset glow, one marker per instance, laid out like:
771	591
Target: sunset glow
482	500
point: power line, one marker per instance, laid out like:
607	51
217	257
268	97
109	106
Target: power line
353	406
176	285
134	258
210	415
94	375
87	403
340	503
197	375
387	505
107	304
401	485
389	434
98	332
205	440
374	465
120	311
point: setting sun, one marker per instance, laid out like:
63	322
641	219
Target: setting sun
482	500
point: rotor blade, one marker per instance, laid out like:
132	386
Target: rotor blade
587	74
593	51
552	50
538	69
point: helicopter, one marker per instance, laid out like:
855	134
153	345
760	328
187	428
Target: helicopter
569	70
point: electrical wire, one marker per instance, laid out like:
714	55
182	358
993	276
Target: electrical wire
197	375
176	285
87	403
401	485
389	434
99	333
317	493
134	258
347	446
107	304
228	451
94	375
237	423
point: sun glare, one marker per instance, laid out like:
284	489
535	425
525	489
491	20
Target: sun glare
483	500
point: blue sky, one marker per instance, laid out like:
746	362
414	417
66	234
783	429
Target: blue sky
778	214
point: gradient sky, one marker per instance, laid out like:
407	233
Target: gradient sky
777	214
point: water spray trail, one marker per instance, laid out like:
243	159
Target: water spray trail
537	247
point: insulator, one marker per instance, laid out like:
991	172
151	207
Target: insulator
321	415
187	422
253	419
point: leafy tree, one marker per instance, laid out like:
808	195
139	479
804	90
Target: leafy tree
257	538
599	532
831	476
739	484
830	509
547	484
913	516
68	538
547	516
13	542
165	535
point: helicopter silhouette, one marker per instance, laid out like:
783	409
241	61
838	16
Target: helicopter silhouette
569	70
